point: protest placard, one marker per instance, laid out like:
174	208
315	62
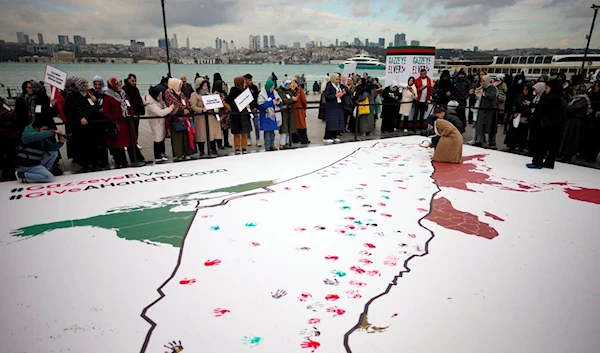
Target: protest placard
212	101
244	99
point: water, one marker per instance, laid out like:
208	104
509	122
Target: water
13	75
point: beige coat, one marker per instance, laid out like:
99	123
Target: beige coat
449	149
214	126
408	95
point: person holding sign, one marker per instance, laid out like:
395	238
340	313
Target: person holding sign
240	119
117	108
182	131
202	113
270	104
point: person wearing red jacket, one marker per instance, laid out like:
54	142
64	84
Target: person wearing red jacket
424	92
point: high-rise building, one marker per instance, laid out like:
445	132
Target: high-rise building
162	43
27	38
390	44
63	40
231	46
399	38
225	46
366	42
415	43
476	49
218	43
336	42
265	41
174	42
319	44
296	45
272	41
187	42
381	42
21	38
77	40
40	39
253	42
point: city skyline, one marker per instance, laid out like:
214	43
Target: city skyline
441	23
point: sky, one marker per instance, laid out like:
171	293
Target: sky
488	24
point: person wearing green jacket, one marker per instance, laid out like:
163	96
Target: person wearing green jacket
36	153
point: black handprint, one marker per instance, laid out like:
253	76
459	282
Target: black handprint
175	347
279	294
329	282
314	332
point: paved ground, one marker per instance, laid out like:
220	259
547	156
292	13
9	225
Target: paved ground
315	134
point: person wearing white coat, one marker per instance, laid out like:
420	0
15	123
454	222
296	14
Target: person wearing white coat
409	93
156	107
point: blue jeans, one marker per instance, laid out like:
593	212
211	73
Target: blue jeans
41	173
269	139
435	140
256	121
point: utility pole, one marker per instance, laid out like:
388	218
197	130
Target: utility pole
589	37
167	36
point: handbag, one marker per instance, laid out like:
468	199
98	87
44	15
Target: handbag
364	109
112	131
180	125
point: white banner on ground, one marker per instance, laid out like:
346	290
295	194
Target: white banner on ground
55	77
244	99
400	68
212	101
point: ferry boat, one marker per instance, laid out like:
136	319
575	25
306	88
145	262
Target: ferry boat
532	65
364	62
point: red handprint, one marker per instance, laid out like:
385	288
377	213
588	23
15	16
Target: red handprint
386	215
220	312
310	344
374	273
212	262
341	231
300	229
365	261
350	226
206	216
304	296
314	321
357	269
357	283
287	188
381	204
186	281
305	187
363	228
420	209
353	294
363	184
349	218
412	235
331	257
391	261
336	310
332	297
369	245
255	244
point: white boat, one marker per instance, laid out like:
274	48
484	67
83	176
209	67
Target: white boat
364	62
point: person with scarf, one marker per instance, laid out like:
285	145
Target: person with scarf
461	94
80	110
97	96
444	88
201	114
424	87
578	109
117	108
516	137
220	88
300	115
156	108
182	131
288	124
486	118
390	97
365	96
448	148
254	108
552	111
136	101
539	94
322	87
334	109
240	121
409	94
270	104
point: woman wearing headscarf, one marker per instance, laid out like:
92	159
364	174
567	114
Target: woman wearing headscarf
156	107
365	96
117	108
552	111
99	126
516	137
270	104
577	110
450	144
409	94
80	111
240	121
214	126
219	88
486	118
288	120
182	131
324	84
539	94
334	109
390	97
444	88
300	114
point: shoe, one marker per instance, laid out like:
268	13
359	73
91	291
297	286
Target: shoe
138	146
164	157
56	171
493	147
221	147
244	151
249	143
187	158
258	144
214	152
405	131
478	144
20	176
327	141
337	140
201	153
533	166
228	146
238	152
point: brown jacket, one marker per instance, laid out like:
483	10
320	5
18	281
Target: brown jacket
449	149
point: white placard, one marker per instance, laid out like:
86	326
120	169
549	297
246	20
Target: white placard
90	101
38	109
400	68
349	69
55	77
6	107
212	101
244	99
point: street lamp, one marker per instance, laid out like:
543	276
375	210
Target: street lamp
162	2
589	36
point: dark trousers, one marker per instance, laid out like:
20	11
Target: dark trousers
547	140
330	135
435	140
136	125
119	155
159	149
462	113
302	136
225	138
420	116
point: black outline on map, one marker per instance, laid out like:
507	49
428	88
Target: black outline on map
267	190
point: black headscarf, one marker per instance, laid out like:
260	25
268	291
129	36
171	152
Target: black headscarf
154	92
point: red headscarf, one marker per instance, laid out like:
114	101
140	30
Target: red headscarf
112	83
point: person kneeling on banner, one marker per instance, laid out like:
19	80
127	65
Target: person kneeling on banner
36	153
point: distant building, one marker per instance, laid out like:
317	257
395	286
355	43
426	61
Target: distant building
415	43
162	43
381	42
344	44
254	42
231	46
21	38
390	44
44	50
476	49
133	46
265	41
272	41
218	43
319	44
63	40
336	42
146	52
27	39
63	57
174	43
400	39
296	45
225	46
187	42
40	39
366	42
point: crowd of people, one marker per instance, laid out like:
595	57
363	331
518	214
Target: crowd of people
548	118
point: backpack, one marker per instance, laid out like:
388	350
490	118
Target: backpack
501	97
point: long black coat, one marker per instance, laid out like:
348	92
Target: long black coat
240	123
334	111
